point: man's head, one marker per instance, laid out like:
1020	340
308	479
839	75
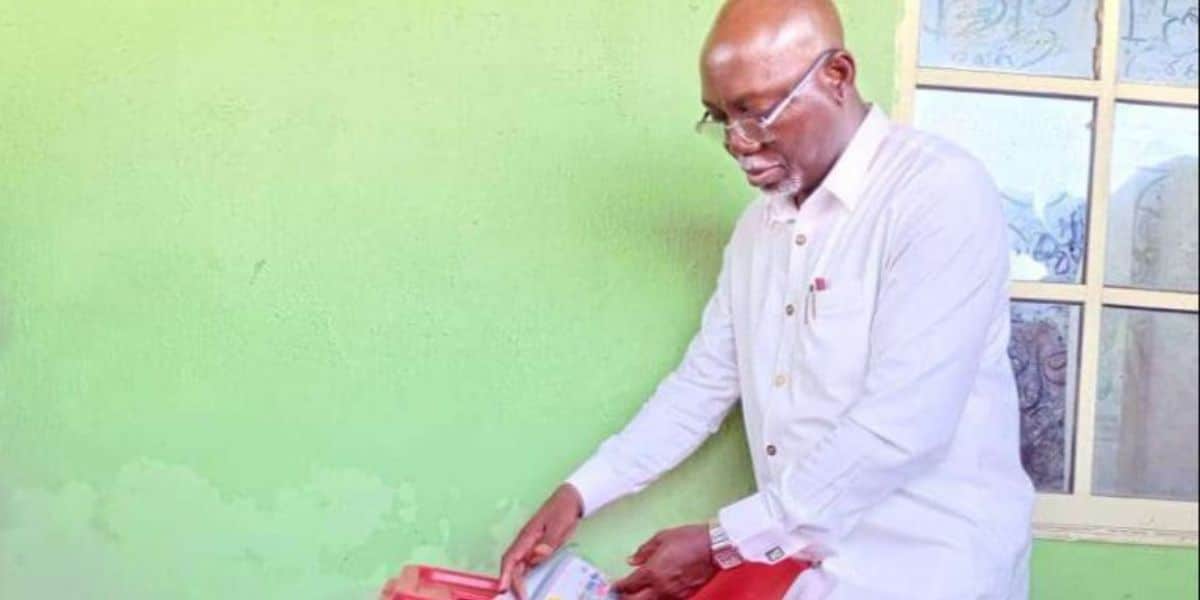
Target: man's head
755	55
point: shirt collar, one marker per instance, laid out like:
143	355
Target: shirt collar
849	173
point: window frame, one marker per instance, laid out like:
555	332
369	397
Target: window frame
1079	515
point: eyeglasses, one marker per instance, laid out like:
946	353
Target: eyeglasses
757	130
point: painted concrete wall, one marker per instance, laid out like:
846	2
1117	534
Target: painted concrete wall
294	293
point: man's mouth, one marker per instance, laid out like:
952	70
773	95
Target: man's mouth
765	176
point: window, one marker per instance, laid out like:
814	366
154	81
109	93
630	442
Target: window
1085	111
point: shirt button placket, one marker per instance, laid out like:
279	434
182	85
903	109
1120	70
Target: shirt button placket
780	381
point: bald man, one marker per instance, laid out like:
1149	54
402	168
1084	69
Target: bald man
861	317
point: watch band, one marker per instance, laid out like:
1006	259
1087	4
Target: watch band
725	554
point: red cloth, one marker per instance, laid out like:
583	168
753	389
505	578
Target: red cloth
753	581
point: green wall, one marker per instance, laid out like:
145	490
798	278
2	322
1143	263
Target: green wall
294	293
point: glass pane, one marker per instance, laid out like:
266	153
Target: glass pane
1152	217
1043	37
1039	152
1044	349
1146	407
1158	41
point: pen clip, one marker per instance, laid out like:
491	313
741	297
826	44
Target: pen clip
810	303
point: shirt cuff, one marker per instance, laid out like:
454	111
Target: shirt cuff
758	536
598	485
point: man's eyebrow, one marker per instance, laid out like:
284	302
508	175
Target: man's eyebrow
749	101
739	101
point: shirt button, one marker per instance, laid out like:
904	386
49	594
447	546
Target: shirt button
780	380
790	310
772	450
801	239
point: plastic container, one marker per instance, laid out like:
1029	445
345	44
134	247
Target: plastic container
431	583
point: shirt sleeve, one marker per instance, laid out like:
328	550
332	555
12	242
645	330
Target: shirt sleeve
686	408
942	292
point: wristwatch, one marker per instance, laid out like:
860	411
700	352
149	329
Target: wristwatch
724	553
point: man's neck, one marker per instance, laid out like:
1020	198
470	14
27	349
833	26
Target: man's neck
856	113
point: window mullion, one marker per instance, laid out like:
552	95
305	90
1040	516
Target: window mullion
1102	144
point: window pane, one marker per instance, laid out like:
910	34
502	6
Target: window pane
1044	352
1158	41
1146	409
1039	151
1043	37
1152	220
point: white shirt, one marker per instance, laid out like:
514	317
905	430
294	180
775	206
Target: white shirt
866	335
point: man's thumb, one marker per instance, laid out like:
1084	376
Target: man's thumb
639	557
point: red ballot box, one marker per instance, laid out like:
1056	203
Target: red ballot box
753	581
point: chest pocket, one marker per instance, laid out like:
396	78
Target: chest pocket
835	339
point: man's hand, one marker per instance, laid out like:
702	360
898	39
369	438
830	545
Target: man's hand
549	528
674	564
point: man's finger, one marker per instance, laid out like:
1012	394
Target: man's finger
636	581
539	553
517	553
551	541
506	569
519	581
645	594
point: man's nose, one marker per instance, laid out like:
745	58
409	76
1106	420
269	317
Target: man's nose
737	144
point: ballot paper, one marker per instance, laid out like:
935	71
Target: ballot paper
565	576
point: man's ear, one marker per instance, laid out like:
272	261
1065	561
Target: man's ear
840	72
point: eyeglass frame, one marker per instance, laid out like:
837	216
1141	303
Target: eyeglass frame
707	121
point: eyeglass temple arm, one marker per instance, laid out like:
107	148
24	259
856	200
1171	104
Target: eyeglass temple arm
782	106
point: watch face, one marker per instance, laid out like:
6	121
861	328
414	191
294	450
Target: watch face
727	559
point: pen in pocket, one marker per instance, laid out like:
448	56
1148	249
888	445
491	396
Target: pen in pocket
818	285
